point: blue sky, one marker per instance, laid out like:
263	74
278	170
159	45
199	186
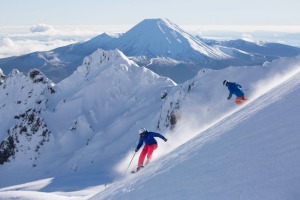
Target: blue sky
99	12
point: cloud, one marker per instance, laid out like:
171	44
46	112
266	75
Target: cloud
6	42
15	47
19	40
41	28
247	37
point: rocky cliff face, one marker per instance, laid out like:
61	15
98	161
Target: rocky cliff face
23	130
171	108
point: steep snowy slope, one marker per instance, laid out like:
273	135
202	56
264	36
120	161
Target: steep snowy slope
252	153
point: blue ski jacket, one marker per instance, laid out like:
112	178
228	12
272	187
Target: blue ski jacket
235	88
149	139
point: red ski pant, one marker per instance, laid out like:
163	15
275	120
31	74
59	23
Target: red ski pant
238	99
147	150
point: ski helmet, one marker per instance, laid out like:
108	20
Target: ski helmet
142	130
225	82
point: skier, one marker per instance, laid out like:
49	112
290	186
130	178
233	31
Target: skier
147	137
235	88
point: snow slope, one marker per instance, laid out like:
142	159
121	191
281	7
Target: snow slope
252	153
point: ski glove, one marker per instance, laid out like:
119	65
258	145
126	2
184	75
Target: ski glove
136	150
165	139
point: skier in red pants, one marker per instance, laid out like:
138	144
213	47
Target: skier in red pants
147	137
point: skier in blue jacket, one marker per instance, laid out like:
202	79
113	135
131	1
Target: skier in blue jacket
148	138
236	89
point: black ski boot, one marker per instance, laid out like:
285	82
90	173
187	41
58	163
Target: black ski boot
138	169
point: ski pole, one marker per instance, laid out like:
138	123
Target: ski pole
130	162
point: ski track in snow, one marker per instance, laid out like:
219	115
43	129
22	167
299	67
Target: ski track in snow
192	147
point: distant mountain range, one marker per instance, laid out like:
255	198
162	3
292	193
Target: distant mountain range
157	44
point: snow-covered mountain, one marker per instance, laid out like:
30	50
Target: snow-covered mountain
157	44
76	138
161	38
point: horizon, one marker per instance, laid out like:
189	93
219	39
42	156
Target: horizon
206	27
